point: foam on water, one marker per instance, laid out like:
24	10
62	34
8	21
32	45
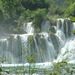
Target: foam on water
68	51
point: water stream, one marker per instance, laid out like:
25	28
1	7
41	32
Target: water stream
44	45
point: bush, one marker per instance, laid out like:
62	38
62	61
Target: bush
55	9
72	19
38	16
73	31
70	11
25	17
35	4
18	30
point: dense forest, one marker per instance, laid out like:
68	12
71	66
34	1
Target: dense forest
13	13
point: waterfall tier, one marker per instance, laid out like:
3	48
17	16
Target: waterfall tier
45	45
41	44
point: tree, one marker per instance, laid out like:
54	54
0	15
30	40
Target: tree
38	16
70	10
55	9
35	4
11	10
68	2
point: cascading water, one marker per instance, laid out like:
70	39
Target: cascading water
28	27
45	45
45	26
68	51
67	40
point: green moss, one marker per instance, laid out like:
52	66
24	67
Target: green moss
72	19
73	31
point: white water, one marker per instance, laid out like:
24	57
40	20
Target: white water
73	28
28	27
68	51
44	44
45	26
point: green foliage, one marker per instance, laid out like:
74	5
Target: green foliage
38	30
1	16
59	68
14	13
70	10
72	19
35	4
2	59
59	2
12	8
10	12
25	17
18	30
30	58
55	9
52	29
73	31
31	40
68	2
1	70
38	16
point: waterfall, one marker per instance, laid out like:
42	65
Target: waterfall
65	26
68	51
45	26
67	46
11	49
46	46
28	27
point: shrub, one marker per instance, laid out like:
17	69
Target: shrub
73	31
18	30
70	11
38	16
72	18
25	17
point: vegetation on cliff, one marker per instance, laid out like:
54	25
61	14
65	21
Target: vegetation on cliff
14	13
